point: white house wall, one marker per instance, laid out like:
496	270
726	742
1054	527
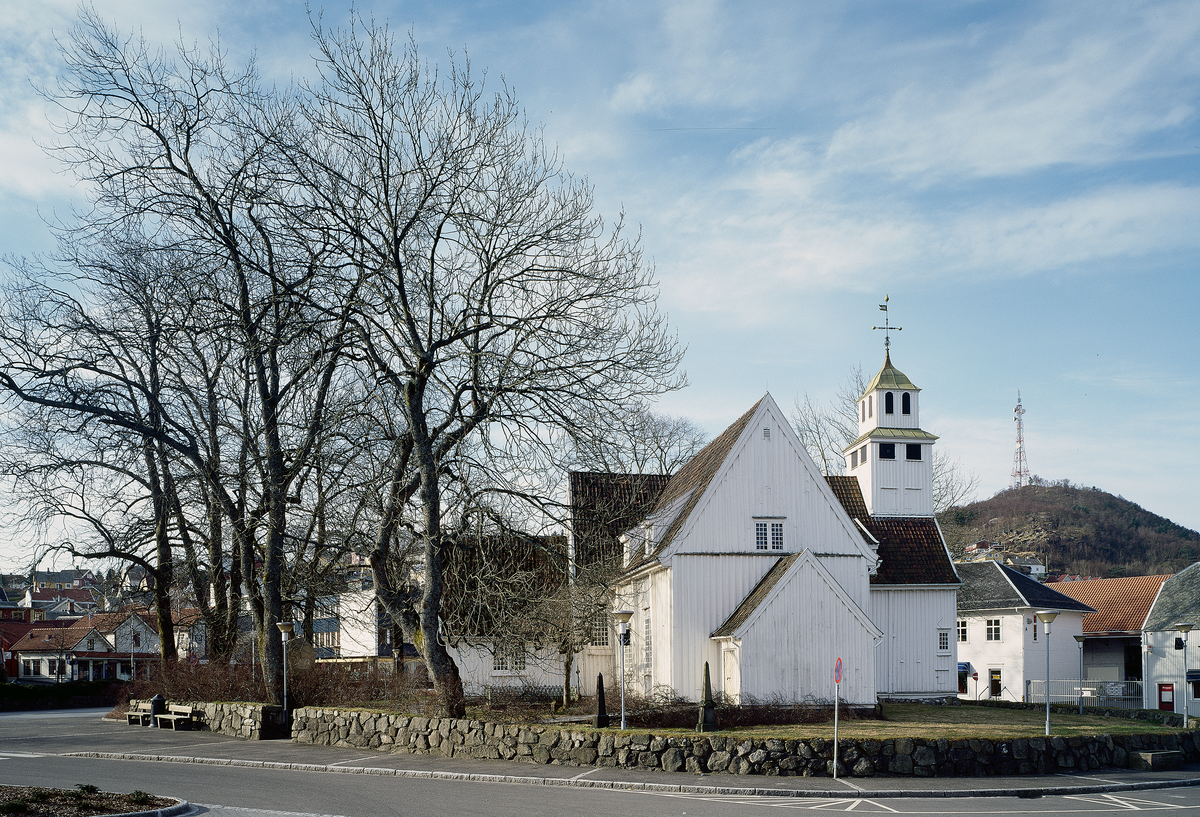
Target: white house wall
909	661
358	623
1163	664
1017	655
476	667
790	645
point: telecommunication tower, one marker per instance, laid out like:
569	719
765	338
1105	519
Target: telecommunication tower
1020	471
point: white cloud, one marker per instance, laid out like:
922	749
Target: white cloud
1082	87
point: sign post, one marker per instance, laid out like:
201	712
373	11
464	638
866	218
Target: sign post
837	692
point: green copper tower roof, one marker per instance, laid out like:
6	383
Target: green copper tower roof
889	377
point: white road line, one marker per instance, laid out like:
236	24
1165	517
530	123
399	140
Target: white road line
219	809
356	760
585	774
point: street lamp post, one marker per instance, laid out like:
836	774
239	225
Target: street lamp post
285	629
1047	616
622	617
1080	638
1184	628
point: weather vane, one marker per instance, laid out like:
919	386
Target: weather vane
887	327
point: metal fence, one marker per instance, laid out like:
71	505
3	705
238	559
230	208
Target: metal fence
1110	694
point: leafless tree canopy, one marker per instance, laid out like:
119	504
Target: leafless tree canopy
356	315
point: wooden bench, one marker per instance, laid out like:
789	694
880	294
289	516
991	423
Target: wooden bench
177	717
140	715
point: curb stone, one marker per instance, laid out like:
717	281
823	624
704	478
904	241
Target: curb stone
856	793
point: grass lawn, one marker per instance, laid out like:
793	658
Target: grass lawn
951	723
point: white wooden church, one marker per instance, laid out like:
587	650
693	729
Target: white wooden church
751	560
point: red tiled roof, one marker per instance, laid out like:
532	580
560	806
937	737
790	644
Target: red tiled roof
1121	604
50	594
911	550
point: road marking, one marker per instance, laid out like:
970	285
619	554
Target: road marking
356	760
1122	802
1086	777
219	809
582	775
7	755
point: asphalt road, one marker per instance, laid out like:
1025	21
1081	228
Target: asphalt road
44	749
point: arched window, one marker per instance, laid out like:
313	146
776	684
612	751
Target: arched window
888	404
905	403
863	406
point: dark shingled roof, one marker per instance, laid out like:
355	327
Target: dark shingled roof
695	477
603	506
988	585
911	550
756	597
1179	600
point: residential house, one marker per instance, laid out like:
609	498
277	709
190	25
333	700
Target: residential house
1170	652
1112	646
1001	642
59	654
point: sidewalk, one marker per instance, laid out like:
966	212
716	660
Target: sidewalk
122	742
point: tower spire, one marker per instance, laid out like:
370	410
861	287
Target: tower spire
887	329
1020	471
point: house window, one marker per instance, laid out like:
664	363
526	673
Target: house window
912	451
962	631
27	667
943	641
1035	623
889	405
993	629
905	404
137	639
91	644
600	629
648	650
854	458
508	658
887	451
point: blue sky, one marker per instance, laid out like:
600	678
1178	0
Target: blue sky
1021	178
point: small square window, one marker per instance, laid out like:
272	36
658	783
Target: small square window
912	451
887	451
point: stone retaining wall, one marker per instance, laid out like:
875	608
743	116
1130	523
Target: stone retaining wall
448	737
239	720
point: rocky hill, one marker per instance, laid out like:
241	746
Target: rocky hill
1074	529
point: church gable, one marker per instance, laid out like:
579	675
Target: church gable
755	490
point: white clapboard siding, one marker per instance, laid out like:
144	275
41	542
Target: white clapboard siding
792	655
764	478
909	661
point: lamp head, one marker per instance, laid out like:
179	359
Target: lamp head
1047	616
1184	627
286	628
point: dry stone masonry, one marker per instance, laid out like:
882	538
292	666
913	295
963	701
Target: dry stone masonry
710	753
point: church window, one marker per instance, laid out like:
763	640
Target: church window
760	535
870	408
943	641
766	433
887	451
993	629
962	631
862	455
912	451
508	658
889	404
600	629
854	458
649	649
776	536
863	408
905	403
